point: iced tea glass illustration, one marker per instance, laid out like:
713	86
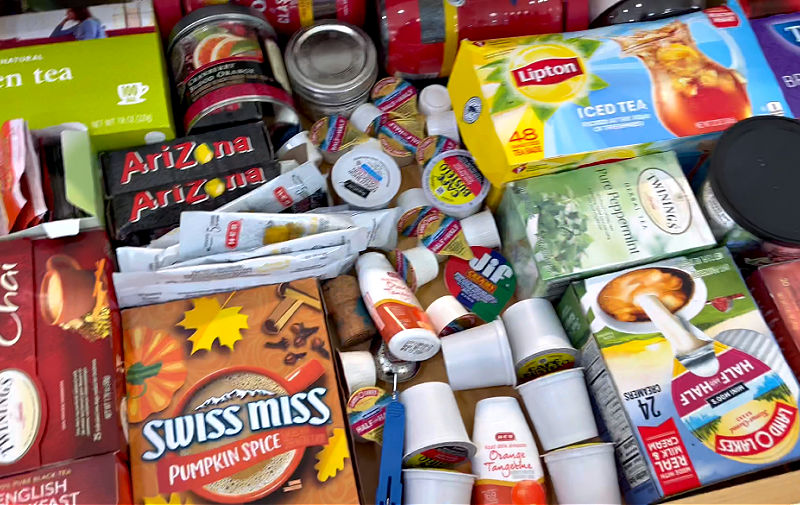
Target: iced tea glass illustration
693	94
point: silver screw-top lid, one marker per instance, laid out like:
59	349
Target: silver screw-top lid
331	62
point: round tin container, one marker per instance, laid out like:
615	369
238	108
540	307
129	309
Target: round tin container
288	16
753	179
332	67
224	58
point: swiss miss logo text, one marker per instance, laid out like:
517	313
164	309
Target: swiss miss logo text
547	71
183	156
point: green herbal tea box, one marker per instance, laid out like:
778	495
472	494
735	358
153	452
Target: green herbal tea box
687	377
572	225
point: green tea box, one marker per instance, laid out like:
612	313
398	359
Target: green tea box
101	66
568	226
686	376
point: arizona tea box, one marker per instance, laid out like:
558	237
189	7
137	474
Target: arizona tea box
621	91
233	399
568	226
779	37
89	481
685	373
61	383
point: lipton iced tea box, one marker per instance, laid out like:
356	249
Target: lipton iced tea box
562	227
103	479
61	384
233	399
532	105
684	372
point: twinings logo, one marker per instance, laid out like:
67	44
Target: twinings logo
20	415
664	201
547	71
179	433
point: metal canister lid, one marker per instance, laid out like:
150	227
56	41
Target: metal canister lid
331	62
229	13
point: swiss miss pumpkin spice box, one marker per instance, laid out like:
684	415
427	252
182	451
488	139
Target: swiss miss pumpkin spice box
232	398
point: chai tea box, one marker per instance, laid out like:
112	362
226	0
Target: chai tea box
684	372
61	383
776	288
103	479
233	398
619	91
562	227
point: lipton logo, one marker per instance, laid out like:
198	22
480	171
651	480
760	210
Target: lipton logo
547	71
504	437
232	234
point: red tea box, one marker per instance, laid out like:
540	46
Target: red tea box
100	479
776	288
61	384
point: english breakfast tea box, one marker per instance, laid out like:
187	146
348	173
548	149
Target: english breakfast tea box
233	399
684	372
779	37
562	227
61	383
620	91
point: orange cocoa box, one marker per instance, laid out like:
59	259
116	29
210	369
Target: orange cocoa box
232	398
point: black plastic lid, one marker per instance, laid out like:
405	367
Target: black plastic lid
755	175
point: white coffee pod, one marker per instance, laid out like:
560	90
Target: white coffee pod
584	474
559	407
434	98
366	178
364	115
418	266
479	357
538	341
440	487
299	148
359	370
449	316
435	433
507	451
443	123
480	230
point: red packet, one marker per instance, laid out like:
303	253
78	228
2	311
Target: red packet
12	166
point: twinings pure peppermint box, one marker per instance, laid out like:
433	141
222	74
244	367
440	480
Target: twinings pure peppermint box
685	405
562	227
533	105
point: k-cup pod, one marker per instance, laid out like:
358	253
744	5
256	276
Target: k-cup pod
507	452
435	433
366	178
584	474
359	369
443	123
449	316
454	184
299	148
481	230
479	357
417	266
433	99
364	115
559	407
442	487
538	341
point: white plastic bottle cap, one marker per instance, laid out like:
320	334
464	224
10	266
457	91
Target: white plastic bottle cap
366	178
481	230
359	370
424	264
364	115
483	348
434	98
443	123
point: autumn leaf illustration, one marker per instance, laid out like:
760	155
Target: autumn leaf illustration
330	460
212	321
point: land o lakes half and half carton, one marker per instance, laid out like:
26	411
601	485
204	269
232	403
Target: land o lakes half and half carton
563	227
233	398
547	102
685	373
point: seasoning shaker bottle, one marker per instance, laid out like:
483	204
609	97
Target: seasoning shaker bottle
332	67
